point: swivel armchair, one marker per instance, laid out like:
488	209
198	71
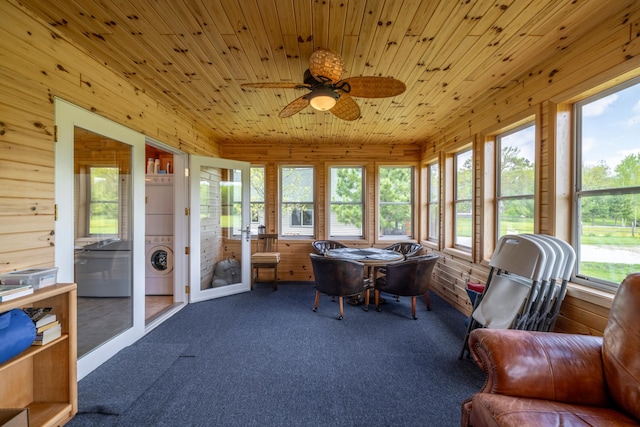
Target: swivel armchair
408	249
339	277
411	277
322	246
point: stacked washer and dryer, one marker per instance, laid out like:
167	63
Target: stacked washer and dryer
159	235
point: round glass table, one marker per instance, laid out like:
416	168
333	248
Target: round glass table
372	257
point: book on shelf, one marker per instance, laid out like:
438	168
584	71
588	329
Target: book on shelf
49	335
9	292
47	326
40	315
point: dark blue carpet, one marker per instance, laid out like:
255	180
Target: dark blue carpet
265	358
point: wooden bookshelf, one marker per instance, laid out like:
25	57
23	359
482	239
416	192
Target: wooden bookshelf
44	378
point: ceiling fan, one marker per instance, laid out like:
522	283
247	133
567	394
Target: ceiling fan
329	92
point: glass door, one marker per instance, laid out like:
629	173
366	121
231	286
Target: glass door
99	193
220	236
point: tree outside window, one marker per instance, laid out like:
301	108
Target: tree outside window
297	200
516	181
395	193
346	201
463	199
608	186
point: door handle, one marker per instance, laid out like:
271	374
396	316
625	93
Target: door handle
247	232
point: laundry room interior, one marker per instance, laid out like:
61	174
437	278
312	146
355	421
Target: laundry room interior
159	230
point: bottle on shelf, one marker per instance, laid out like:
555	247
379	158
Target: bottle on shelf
156	166
150	166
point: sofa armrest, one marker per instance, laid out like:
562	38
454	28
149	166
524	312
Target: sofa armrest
542	365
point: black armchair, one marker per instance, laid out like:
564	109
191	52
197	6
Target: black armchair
339	277
408	249
322	246
409	278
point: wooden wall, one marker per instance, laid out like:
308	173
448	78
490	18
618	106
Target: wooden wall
37	65
295	264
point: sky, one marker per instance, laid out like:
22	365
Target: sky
611	127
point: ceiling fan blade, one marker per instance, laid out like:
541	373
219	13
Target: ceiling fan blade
374	87
295	106
275	85
346	108
326	66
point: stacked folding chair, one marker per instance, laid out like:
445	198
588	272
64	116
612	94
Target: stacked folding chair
526	284
565	261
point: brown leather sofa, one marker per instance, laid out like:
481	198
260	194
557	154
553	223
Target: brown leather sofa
552	379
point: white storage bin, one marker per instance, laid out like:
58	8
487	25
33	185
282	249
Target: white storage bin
36	277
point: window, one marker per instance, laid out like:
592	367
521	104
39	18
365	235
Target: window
395	195
463	199
607	208
346	205
433	198
257	198
104	199
297	198
515	180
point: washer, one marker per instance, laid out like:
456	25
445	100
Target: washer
159	265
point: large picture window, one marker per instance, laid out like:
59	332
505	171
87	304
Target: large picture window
346	203
463	199
516	180
607	208
395	195
433	199
297	200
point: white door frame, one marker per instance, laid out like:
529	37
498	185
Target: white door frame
195	163
67	116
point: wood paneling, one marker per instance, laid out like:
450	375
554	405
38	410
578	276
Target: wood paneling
37	65
173	71
192	56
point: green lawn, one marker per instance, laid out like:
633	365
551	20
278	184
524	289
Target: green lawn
101	225
611	272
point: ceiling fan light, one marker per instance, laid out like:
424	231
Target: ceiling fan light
323	98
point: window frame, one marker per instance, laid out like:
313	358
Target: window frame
579	193
412	203
91	202
282	212
456	201
432	205
330	203
498	174
252	202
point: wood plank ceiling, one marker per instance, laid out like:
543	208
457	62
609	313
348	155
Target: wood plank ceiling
193	56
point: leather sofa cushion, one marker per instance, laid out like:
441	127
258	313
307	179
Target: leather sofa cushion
621	348
499	410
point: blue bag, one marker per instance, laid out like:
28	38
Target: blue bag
17	332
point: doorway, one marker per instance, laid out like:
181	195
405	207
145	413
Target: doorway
161	229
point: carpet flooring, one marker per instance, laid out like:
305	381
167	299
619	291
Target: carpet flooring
265	358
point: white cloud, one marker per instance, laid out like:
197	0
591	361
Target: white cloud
635	119
598	107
